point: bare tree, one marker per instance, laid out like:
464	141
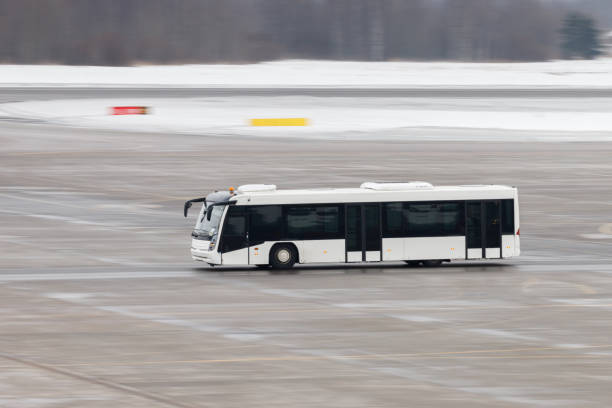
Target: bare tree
119	32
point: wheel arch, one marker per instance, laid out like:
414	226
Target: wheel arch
295	248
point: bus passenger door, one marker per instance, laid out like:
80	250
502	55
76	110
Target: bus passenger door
363	237
483	229
493	229
234	246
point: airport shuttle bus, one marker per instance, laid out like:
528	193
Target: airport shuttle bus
413	222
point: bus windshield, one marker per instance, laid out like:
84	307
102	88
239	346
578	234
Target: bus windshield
207	228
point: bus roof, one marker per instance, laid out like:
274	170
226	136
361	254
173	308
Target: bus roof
270	196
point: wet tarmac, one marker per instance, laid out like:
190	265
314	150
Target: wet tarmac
100	303
38	93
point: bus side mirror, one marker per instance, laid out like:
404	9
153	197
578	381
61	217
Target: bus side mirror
209	213
186	207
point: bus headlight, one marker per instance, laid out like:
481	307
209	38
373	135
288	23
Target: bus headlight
211	246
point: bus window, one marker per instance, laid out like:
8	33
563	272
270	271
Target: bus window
474	225
234	230
266	224
493	225
435	219
508	217
392	220
372	227
353	228
314	222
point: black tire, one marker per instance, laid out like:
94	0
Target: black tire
282	256
432	263
413	264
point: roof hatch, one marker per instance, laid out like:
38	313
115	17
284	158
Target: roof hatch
398	186
256	188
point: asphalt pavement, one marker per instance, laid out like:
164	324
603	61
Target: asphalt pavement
36	93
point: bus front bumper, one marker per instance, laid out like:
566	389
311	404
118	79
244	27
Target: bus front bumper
200	252
211	257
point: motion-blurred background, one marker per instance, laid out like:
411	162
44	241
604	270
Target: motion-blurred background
120	32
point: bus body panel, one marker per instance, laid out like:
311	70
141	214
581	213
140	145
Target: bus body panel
508	244
492	253
393	249
309	251
474	253
434	248
354	256
237	257
260	254
327	250
517	225
357	195
372	256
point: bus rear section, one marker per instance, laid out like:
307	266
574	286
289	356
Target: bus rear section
423	225
450	230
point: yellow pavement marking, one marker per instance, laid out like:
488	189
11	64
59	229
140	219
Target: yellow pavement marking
444	354
279	122
606	229
586	289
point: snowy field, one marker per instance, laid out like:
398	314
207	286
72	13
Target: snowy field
525	118
336	117
299	73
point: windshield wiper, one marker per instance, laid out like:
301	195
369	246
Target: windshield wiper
203	234
218	203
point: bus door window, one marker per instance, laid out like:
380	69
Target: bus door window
353	228
363	234
474	227
234	230
493	224
372	227
508	217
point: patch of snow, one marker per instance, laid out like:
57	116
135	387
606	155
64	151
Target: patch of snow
418	319
302	73
327	116
503	333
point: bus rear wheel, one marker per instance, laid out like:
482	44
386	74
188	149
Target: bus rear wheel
282	257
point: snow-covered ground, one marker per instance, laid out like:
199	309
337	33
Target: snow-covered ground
299	73
375	117
379	118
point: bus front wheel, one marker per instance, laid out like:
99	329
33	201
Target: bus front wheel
282	256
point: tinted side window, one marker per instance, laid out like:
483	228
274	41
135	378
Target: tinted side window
474	224
233	236
508	217
493	224
314	222
265	223
353	228
452	218
372	227
434	219
392	220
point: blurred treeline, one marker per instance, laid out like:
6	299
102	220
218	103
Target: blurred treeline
120	32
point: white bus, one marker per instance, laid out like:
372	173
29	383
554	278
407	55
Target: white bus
413	222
